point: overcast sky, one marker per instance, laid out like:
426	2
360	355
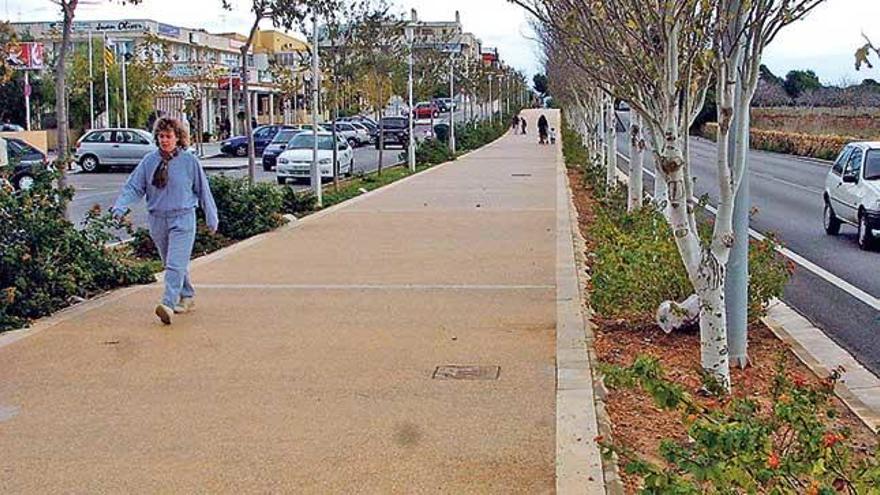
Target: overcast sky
824	42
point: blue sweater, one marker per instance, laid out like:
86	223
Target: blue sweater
187	188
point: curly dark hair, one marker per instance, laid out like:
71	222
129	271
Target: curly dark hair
174	125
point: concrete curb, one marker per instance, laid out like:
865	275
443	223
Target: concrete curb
579	467
70	312
859	389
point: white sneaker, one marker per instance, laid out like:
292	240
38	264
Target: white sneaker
185	305
164	313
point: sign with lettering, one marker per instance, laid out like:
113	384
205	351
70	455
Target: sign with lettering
25	56
170	31
103	26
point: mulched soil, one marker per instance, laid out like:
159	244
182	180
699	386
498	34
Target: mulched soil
637	423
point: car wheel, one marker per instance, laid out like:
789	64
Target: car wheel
352	142
24	182
281	180
89	163
241	150
830	220
866	238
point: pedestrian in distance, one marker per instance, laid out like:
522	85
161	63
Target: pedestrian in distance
515	124
524	125
542	129
174	183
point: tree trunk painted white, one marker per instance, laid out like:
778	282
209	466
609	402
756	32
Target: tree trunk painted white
672	315
636	164
610	142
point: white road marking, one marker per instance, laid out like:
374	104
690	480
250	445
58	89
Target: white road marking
803	262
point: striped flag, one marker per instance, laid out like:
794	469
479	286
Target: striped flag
109	56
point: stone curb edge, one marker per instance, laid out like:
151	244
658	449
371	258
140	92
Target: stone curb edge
576	360
804	339
76	310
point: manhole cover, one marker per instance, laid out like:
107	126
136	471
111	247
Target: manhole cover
520	175
452	372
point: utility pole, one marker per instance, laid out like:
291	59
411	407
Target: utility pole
91	84
315	172
106	83
411	142
491	103
124	85
452	107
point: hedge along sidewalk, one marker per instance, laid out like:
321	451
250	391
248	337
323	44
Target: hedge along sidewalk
77	310
858	388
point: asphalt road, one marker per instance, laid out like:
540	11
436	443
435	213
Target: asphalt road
787	193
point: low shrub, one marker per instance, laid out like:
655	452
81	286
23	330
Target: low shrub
246	210
824	147
46	262
433	152
789	444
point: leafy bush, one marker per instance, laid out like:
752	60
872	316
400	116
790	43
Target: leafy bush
432	152
246	210
46	262
789	445
824	147
297	203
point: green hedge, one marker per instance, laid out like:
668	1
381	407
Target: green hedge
46	263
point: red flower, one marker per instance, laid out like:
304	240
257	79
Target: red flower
773	461
830	438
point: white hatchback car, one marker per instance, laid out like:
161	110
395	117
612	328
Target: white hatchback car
296	161
852	192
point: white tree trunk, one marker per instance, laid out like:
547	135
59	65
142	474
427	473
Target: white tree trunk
636	164
610	143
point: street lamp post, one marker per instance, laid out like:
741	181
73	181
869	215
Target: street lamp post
315	171
491	102
411	142
452	103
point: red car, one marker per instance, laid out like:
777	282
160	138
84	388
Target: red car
426	110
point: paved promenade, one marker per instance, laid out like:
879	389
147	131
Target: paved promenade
311	362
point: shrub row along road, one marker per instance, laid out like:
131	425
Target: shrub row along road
787	193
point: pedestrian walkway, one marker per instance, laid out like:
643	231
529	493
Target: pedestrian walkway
320	358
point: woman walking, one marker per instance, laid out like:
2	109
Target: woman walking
175	184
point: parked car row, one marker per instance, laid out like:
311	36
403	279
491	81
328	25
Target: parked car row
295	161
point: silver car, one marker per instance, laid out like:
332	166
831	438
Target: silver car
100	149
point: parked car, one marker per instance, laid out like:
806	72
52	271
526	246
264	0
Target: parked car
279	143
296	161
395	131
24	158
100	149
363	133
238	145
446	104
426	110
347	130
7	127
852	192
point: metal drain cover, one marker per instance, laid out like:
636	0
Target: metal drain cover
520	175
453	372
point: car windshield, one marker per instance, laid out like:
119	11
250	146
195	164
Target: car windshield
307	140
284	135
393	122
872	165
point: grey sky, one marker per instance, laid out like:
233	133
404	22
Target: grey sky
824	42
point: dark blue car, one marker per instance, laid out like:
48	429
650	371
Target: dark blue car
237	146
23	159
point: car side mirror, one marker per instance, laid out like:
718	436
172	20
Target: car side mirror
850	178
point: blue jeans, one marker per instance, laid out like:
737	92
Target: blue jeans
174	233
